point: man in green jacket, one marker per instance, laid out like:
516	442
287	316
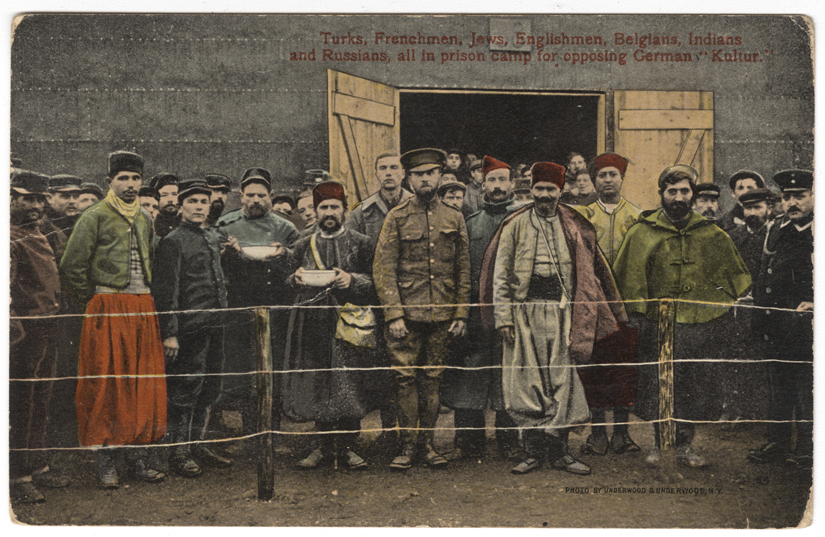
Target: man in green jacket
676	253
121	391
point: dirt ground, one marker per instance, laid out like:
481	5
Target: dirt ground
622	491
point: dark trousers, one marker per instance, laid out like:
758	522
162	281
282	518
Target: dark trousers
199	363
343	440
792	387
34	357
473	437
539	444
621	416
416	398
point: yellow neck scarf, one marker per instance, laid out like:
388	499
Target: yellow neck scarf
128	210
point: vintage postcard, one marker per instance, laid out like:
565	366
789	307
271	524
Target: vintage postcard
523	271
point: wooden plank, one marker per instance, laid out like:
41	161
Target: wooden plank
363	109
667	324
354	157
264	382
665	119
687	154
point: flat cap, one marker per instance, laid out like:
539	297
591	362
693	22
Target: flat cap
65	183
678	168
192	186
746	174
148	192
257	175
163	179
707	189
28	182
757	194
450	184
93	189
422	160
125	161
216	180
794	180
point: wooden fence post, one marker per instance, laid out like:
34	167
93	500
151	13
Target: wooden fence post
264	380
667	323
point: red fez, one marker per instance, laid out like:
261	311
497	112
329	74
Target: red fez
549	172
329	190
606	160
490	164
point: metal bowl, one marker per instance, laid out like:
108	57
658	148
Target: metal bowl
318	278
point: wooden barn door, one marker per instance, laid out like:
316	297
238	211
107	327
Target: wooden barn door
363	123
657	129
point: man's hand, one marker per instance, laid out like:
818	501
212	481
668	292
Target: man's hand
299	276
279	251
805	306
507	333
170	348
398	329
458	327
342	280
231	246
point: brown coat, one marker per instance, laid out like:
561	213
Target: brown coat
422	259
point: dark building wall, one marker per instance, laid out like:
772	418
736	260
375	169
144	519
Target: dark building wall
204	93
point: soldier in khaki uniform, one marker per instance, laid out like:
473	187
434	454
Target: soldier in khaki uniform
421	264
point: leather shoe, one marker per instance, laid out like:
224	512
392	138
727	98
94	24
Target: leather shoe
207	457
595	445
313	460
433	458
622	443
772	451
404	460
526	466
353	460
569	464
141	471
687	457
26	493
186	467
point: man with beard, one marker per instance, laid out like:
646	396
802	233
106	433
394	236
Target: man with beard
90	194
676	253
750	238
335	397
188	276
785	282
220	185
149	198
607	387
35	292
706	200
121	391
470	391
554	300
422	277
367	218
253	281
167	219
740	182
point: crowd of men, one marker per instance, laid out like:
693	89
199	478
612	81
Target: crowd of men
462	282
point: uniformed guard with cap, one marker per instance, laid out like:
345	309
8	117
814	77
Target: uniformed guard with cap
422	277
706	200
253	280
63	197
90	193
189	277
34	293
220	185
785	282
740	182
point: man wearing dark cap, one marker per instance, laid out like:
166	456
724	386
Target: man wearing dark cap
474	198
674	252
740	182
167	219
35	292
422	277
452	191
188	276
785	282
121	391
149	199
521	191
90	193
554	298
706	200
64	194
750	238
253	280
220	185
334	397
469	392
612	216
